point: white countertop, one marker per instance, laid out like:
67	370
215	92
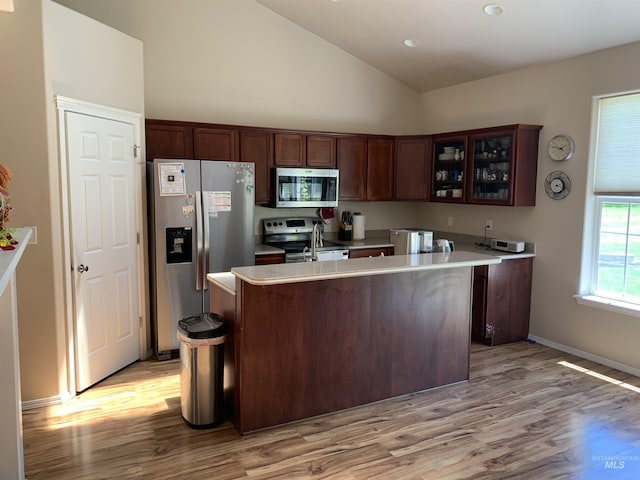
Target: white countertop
9	258
473	248
380	239
263	249
225	280
357	267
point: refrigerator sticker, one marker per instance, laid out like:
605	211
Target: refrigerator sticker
188	209
218	202
171	179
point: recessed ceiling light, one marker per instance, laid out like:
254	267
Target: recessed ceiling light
410	42
493	9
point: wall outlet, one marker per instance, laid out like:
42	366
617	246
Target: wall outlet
450	221
488	225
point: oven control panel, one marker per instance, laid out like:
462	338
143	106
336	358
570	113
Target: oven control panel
283	225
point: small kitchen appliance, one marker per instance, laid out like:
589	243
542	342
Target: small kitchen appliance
408	241
443	245
302	239
305	187
511	246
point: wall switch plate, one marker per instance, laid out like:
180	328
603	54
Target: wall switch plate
450	221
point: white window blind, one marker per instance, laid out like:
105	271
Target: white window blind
618	146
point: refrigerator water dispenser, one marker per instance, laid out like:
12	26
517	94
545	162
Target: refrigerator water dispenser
179	245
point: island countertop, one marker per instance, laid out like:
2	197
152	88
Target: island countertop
357	267
9	259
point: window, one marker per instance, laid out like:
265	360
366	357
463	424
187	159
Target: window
612	273
618	262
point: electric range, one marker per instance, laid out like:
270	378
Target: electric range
297	235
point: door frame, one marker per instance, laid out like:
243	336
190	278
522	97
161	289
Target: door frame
64	105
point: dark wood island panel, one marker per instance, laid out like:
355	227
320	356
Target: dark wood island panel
307	348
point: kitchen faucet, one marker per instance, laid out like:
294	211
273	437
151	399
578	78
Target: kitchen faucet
316	240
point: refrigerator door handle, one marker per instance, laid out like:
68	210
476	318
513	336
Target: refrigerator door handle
199	236
205	261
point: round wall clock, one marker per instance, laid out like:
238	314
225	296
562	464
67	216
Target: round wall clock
561	148
557	185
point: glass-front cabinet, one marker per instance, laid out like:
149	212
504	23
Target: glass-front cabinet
448	168
491	166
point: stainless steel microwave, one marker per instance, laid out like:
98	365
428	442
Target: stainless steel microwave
305	187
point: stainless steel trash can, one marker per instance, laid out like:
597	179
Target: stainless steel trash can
201	339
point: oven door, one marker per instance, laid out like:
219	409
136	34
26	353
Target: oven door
321	256
297	257
332	255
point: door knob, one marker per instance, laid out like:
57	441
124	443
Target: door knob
82	268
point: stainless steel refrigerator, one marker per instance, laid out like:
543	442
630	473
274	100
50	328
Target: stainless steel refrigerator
201	221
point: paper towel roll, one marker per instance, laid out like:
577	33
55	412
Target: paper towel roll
358	226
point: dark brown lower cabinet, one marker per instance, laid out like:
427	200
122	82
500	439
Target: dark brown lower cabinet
269	259
502	301
370	252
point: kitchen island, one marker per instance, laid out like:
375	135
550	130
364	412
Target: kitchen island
311	338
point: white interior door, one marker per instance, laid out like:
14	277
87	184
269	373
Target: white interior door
104	245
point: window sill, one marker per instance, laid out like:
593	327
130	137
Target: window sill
617	306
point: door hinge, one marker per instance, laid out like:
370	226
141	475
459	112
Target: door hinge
138	238
135	151
140	321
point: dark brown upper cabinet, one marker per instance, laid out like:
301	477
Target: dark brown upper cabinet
215	144
166	139
352	164
412	168
257	146
302	150
380	169
488	166
290	150
366	168
321	151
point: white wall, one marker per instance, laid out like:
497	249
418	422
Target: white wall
24	150
237	62
79	55
47	49
559	97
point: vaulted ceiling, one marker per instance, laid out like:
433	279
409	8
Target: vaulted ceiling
456	41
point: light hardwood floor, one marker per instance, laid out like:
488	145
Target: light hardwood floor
528	412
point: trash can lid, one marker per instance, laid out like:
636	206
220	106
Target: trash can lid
205	325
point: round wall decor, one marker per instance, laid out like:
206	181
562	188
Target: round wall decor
561	147
557	185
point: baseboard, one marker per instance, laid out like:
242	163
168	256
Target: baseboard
41	402
587	356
